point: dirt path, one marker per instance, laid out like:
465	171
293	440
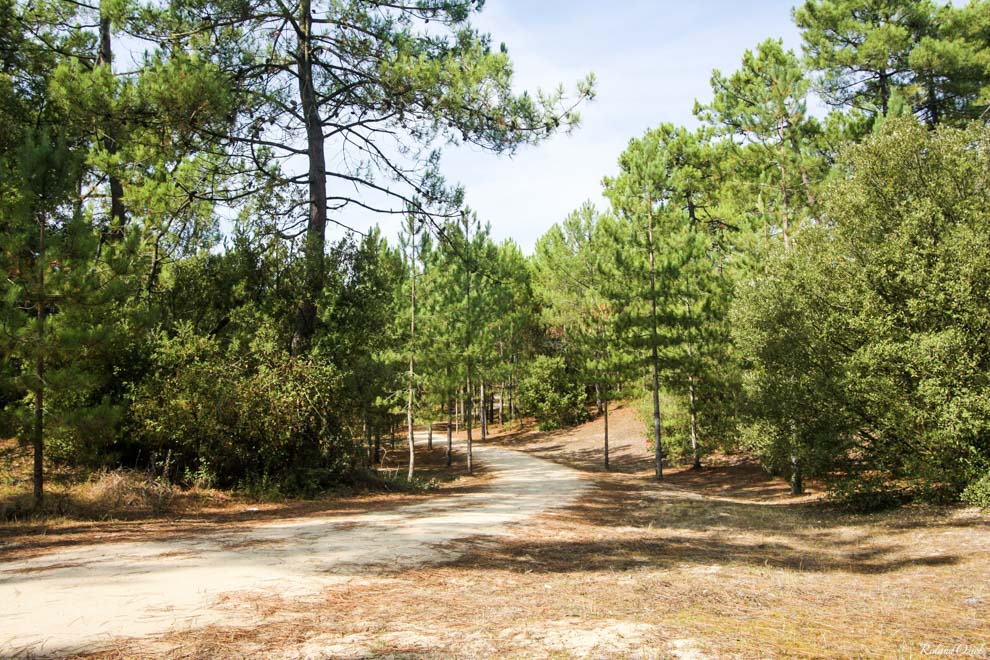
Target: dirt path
88	596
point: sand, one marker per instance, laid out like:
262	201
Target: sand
86	597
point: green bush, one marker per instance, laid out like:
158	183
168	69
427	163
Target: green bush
258	418
551	393
977	492
674	424
866	344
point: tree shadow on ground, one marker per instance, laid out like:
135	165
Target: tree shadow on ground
619	526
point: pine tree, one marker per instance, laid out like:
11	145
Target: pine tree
384	84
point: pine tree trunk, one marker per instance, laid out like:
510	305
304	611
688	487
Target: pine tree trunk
468	400
429	437
316	226
501	404
605	409
484	413
491	406
934	116
512	390
378	446
368	441
412	344
598	398
118	213
694	425
884	79
658	447
38	435
450	433
467	423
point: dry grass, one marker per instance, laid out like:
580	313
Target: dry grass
717	563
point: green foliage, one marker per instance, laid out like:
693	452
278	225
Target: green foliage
551	393
674	321
252	417
821	305
977	492
878	56
571	269
868	342
675	433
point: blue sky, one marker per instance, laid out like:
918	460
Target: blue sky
652	60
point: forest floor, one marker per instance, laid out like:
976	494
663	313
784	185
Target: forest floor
719	562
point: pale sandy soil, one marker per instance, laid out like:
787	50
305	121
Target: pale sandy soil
90	596
712	563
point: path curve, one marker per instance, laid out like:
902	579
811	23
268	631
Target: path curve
87	596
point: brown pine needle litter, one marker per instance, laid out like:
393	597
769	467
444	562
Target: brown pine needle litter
711	563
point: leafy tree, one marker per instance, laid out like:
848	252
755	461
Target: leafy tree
514	322
409	240
441	359
672	179
872	336
47	284
764	105
551	392
951	65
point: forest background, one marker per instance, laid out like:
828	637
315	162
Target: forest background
807	287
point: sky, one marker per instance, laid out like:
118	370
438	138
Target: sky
652	60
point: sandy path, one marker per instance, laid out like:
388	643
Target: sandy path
86	596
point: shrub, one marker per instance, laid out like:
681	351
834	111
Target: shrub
234	417
549	392
977	492
674	424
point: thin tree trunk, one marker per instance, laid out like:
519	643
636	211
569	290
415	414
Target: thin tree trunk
368	441
38	436
598	397
484	413
378	446
658	448
412	344
491	406
154	271
605	410
429	437
450	434
467	423
501	404
512	390
317	223
467	345
933	114
884	92
694	425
